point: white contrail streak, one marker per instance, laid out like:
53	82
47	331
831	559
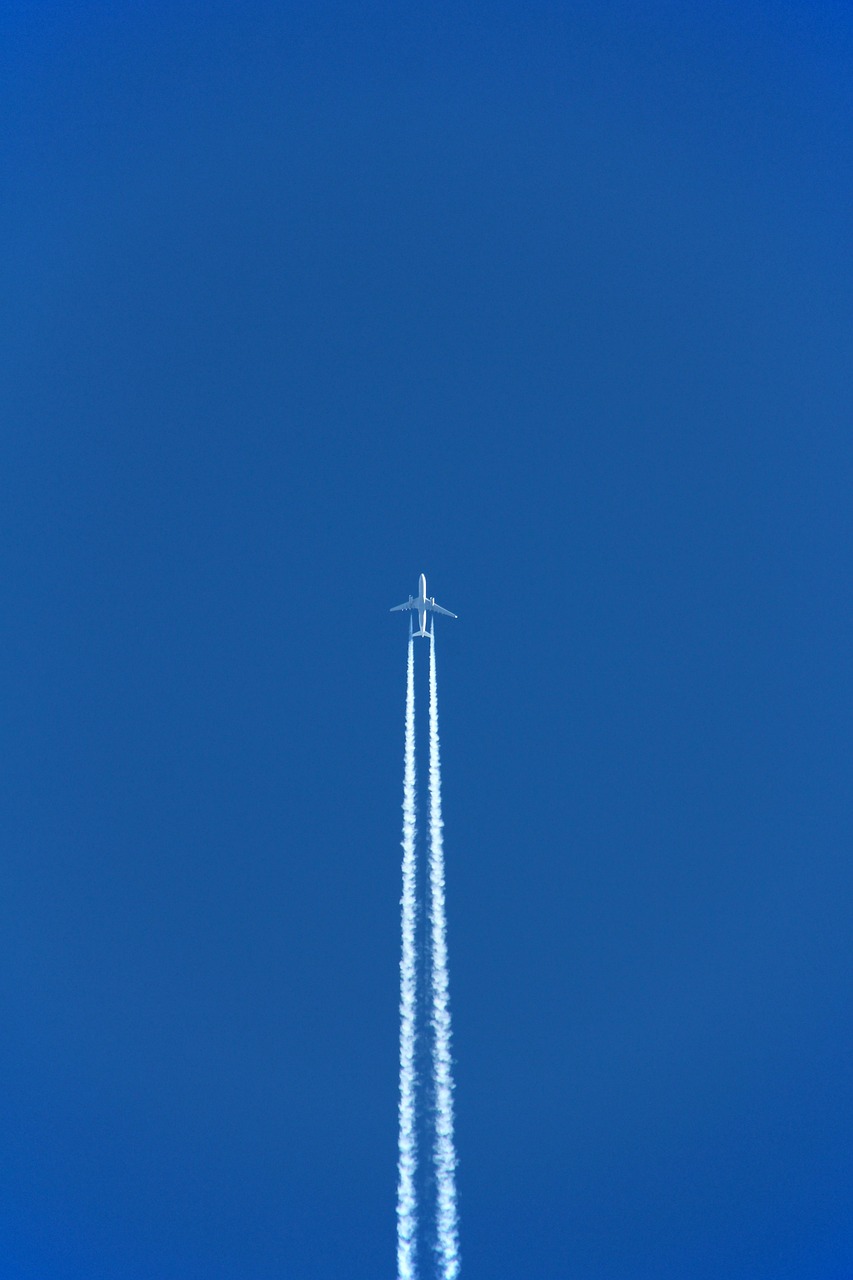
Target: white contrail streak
444	1151
407	1158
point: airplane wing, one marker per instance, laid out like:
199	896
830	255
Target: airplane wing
436	608
410	604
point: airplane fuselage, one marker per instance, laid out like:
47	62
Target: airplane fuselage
422	604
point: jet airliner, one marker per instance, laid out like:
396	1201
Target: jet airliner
423	604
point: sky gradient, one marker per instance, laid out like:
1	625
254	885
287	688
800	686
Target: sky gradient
553	303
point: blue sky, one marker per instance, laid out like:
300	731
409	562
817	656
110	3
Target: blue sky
554	304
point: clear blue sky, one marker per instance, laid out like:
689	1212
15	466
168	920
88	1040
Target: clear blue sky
552	302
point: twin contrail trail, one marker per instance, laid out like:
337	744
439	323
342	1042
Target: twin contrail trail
441	1123
444	1149
407	1158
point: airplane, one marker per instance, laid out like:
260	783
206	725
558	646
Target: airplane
424	605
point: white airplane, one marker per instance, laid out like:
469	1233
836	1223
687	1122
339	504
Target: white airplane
424	605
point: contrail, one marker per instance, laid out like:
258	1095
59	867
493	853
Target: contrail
407	1159
444	1151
